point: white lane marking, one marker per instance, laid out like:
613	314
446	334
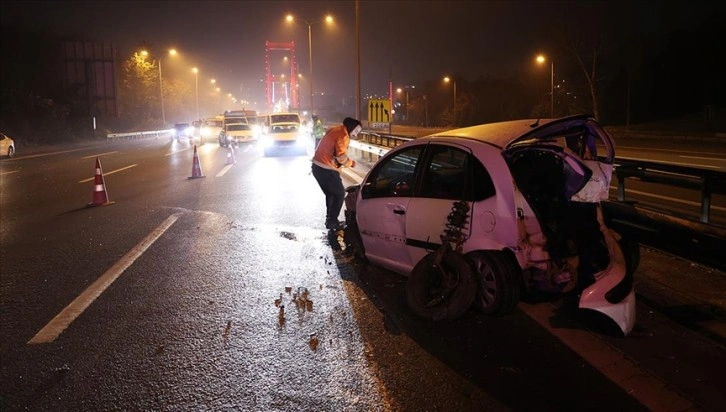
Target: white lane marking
717	159
63	319
49	153
100	154
178	151
7	173
108	173
697	165
672	199
224	170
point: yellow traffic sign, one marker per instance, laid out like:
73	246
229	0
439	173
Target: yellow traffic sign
379	111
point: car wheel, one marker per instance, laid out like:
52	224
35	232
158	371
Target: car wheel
11	152
351	236
499	278
442	292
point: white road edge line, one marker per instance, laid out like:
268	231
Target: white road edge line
643	385
63	319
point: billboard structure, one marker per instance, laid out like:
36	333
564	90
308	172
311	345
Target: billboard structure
88	74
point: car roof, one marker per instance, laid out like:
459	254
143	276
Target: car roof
503	134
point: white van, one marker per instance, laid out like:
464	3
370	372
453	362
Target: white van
211	128
285	134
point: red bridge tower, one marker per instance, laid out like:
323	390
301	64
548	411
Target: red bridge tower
275	93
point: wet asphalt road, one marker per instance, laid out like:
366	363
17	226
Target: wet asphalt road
194	322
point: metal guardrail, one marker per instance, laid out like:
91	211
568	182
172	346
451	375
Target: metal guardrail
139	135
374	145
707	181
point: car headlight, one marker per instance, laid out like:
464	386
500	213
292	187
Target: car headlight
266	141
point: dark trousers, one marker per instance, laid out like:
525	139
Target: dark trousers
332	185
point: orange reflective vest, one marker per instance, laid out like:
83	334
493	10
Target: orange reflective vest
332	152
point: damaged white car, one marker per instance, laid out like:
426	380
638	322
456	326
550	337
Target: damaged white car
484	213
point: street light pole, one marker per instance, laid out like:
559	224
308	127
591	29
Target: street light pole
454	101
541	59
399	90
407	106
426	110
310	65
552	89
196	88
161	92
357	61
447	79
328	19
161	86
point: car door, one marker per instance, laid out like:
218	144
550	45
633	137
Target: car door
448	173
383	205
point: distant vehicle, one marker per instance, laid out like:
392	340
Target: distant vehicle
285	134
237	133
212	127
7	145
258	123
239	116
183	130
484	213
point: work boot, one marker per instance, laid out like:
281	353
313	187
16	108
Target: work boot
333	225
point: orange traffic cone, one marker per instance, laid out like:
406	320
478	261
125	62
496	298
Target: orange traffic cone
100	197
196	167
230	156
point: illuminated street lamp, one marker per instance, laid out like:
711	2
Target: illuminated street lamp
196	87
399	90
447	80
541	60
328	19
172	52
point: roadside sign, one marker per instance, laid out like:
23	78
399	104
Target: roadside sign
379	111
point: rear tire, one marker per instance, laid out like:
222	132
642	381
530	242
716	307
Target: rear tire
499	281
351	236
428	294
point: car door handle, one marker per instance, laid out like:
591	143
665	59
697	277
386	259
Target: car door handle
399	211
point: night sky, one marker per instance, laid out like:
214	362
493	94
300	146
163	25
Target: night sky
408	42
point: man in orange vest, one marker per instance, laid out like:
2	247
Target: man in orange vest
330	156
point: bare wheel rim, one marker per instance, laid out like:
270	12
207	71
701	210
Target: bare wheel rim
487	282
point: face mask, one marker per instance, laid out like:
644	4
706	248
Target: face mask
356	131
